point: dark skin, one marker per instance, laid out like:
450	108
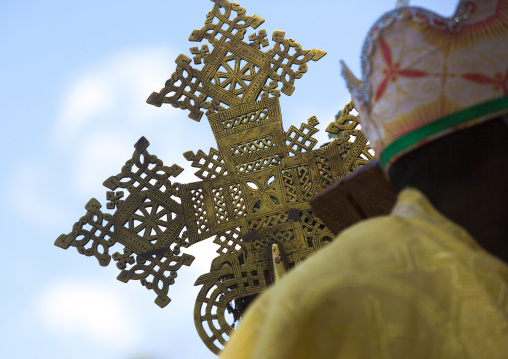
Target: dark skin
465	176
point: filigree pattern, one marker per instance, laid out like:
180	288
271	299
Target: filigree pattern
315	230
300	140
252	146
298	185
253	117
230	242
201	220
272	237
210	166
346	130
258	164
324	170
148	224
289	186
221	213
234	72
254	189
269	221
238	202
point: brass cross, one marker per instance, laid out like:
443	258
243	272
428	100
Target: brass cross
255	187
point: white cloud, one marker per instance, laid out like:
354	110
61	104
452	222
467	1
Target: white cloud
117	86
87	98
91	311
105	112
100	154
29	199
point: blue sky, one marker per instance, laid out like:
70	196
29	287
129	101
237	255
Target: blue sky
75	77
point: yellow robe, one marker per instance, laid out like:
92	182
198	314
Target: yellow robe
408	285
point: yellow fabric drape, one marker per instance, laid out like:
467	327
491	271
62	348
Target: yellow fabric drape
408	285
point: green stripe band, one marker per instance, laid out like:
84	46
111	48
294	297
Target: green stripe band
444	123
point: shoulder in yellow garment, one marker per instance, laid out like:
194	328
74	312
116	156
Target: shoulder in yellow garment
408	285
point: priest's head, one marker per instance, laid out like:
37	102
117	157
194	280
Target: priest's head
433	102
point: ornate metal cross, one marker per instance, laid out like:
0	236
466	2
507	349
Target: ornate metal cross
254	189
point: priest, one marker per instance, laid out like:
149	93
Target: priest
429	280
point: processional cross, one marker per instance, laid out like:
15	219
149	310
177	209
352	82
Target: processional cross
255	187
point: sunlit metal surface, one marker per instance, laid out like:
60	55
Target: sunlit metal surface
254	189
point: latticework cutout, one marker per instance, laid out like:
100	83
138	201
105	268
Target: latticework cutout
254	189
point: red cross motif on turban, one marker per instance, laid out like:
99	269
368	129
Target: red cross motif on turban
393	70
